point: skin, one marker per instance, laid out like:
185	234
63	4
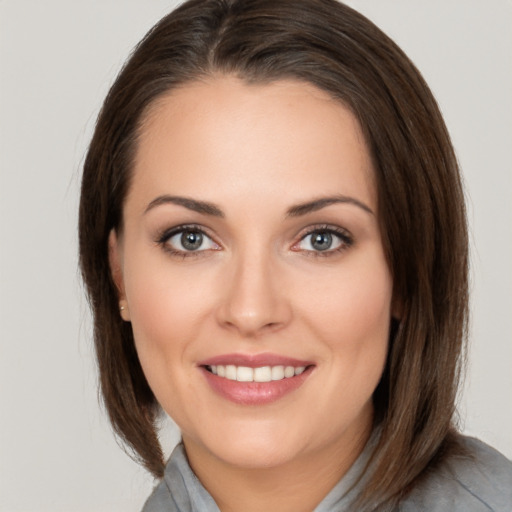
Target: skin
257	284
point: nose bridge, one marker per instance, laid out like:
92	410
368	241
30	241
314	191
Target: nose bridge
254	301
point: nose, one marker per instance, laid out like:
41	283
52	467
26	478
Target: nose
254	299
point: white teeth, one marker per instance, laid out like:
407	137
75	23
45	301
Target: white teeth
260	374
289	371
244	374
230	372
277	372
263	374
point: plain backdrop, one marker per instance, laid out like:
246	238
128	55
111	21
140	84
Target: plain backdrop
57	60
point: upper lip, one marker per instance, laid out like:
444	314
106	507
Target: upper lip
254	360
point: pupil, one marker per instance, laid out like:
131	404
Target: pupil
321	241
191	240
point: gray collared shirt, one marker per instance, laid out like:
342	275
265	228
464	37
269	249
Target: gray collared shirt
480	483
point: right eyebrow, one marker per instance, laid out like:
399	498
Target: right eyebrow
203	207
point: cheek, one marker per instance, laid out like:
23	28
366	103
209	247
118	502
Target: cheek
358	335
356	303
166	306
167	311
351	314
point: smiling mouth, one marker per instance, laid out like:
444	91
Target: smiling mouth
258	385
255	379
258	374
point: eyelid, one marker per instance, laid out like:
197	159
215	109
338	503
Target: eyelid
165	235
343	234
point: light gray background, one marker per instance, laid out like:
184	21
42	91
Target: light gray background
57	59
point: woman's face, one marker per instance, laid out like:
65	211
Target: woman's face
253	272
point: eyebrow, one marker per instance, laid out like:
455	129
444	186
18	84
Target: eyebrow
322	202
203	207
207	208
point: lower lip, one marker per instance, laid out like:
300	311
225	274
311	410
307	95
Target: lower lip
255	393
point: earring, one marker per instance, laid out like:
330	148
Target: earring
123	310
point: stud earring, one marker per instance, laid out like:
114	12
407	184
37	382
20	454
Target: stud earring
123	310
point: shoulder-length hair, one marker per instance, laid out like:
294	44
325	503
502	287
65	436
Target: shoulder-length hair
420	207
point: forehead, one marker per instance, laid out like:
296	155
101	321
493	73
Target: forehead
224	135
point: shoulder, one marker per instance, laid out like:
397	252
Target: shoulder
170	495
160	500
179	490
479	480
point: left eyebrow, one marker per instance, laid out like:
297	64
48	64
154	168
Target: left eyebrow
317	204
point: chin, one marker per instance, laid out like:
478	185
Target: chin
257	455
250	446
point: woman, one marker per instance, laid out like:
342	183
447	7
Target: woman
273	238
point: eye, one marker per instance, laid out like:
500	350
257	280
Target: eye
183	240
324	240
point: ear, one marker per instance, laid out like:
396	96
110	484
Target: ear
116	270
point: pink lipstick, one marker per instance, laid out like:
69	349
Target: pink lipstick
255	379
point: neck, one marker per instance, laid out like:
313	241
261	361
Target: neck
298	485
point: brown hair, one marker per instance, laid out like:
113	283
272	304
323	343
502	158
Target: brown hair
420	201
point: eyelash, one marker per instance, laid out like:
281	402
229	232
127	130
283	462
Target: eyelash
346	240
164	237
